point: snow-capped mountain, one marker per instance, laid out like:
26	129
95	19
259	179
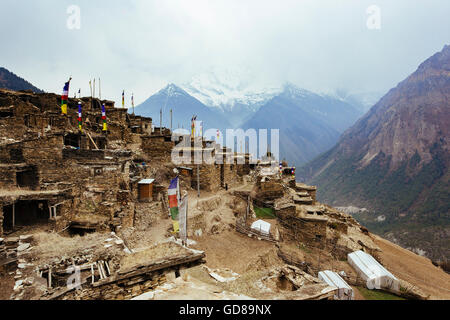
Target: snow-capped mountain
309	123
231	92
183	105
226	88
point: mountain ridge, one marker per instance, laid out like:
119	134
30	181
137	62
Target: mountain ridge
309	123
395	161
183	105
11	81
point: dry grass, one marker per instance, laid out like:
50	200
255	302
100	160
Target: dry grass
90	219
152	254
417	270
246	284
53	245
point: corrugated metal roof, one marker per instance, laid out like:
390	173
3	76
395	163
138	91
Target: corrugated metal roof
146	181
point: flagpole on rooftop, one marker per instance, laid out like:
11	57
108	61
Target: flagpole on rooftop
198	180
160	121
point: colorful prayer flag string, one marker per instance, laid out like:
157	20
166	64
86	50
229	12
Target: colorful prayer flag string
173	194
80	119
105	128
65	97
194	118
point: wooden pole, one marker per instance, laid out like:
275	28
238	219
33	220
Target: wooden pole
90	87
95	145
50	277
170	120
160	121
198	180
99	89
107	267
186	223
92	273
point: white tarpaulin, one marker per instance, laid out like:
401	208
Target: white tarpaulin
182	218
345	292
261	226
372	272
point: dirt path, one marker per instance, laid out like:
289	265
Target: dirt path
415	269
233	250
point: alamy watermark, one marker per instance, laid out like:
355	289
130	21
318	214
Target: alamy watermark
74	19
74	280
230	146
374	17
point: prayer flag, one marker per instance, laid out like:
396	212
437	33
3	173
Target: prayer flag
105	128
65	97
173	193
80	120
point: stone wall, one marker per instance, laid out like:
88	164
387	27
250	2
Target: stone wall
140	125
32	137
301	187
312	232
269	189
209	177
128	288
123	290
231	176
157	148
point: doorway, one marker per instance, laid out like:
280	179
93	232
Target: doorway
25	213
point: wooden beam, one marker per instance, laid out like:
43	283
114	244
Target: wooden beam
50	277
87	133
92	273
144	269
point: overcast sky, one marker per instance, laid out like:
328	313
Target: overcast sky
140	46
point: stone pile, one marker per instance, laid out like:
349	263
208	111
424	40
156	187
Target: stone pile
11	245
17	248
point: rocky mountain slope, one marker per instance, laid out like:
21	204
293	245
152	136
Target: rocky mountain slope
9	80
184	106
395	162
309	123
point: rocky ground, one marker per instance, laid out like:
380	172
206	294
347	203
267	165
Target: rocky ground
235	264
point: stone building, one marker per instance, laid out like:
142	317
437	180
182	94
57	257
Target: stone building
52	172
87	179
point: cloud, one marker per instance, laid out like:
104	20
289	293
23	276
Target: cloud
140	46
